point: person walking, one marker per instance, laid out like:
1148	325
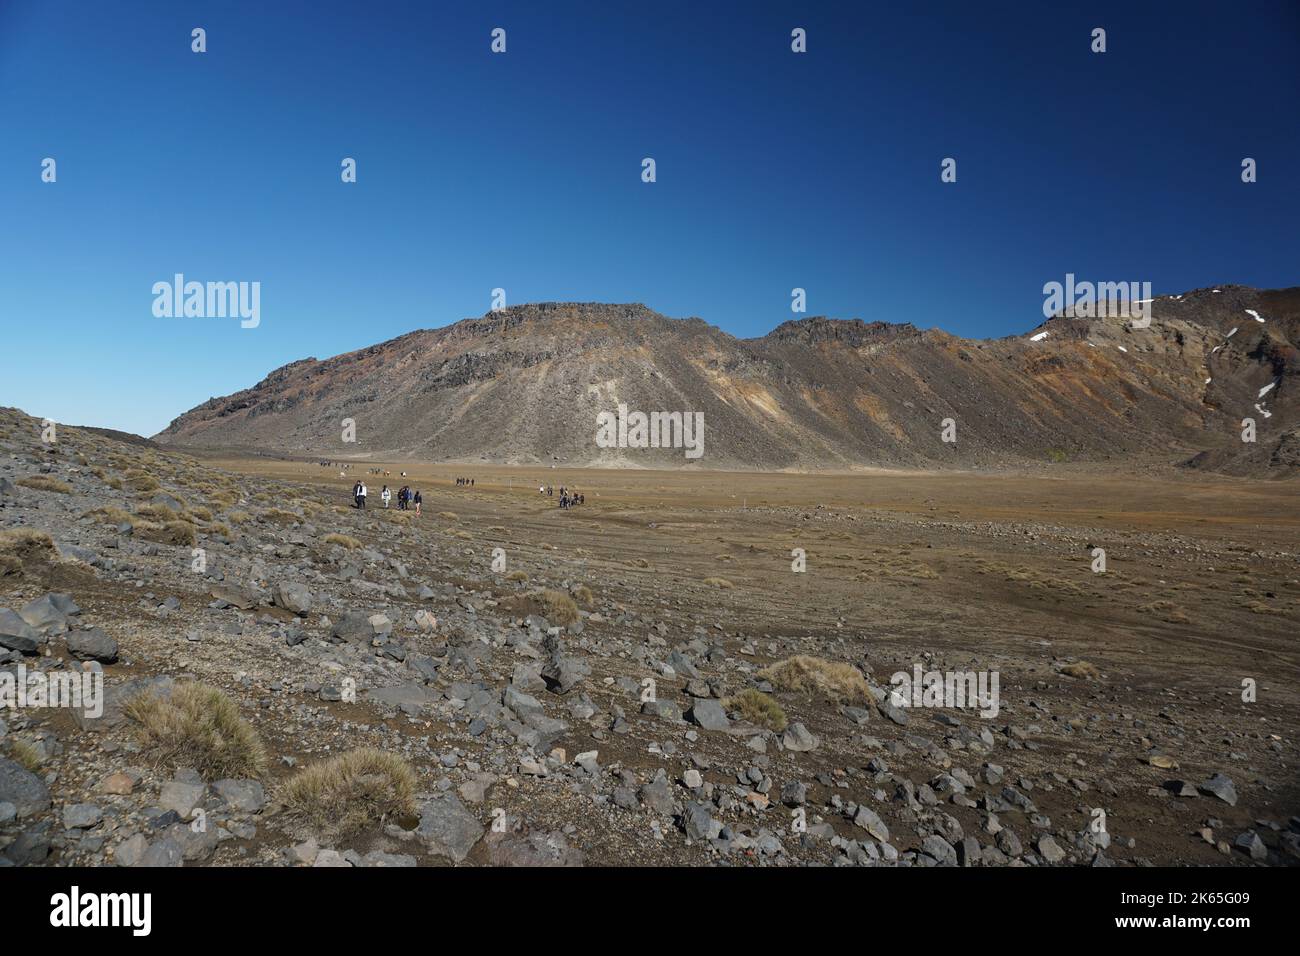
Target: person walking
418	500
361	494
385	496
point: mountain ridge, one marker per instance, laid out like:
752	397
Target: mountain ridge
524	386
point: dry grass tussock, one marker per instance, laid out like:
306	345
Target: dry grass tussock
350	792
807	675
200	727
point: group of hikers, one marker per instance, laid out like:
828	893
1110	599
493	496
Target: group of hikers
569	497
406	498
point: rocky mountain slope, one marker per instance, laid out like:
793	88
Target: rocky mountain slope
525	385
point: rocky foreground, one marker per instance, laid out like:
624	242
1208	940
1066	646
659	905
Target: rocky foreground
563	712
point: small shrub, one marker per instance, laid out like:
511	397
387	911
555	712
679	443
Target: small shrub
173	532
805	674
46	483
138	480
350	792
112	515
342	540
557	607
198	727
722	583
26	755
757	708
22	547
1082	670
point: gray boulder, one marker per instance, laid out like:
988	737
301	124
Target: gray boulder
26	791
448	829
293	597
16	634
92	645
49	610
710	715
247	796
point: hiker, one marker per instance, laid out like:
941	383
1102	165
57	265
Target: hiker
418	500
385	495
361	495
356	492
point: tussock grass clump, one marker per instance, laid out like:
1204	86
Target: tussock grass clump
112	515
219	529
280	516
805	675
556	606
582	594
173	532
203	514
1166	611
342	540
21	547
25	754
1082	670
199	727
517	576
138	480
722	583
349	792
46	483
159	513
757	708
448	516
239	517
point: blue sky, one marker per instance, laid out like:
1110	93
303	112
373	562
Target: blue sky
522	170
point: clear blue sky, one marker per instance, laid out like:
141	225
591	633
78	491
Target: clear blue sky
522	170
